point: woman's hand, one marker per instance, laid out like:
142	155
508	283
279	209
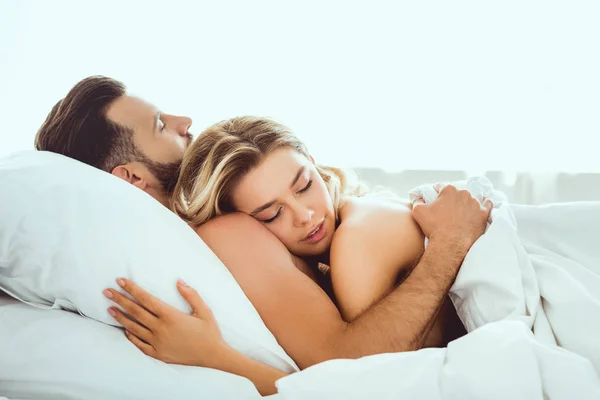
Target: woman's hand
164	332
167	334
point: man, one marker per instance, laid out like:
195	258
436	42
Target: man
99	124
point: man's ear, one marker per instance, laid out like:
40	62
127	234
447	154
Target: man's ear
129	173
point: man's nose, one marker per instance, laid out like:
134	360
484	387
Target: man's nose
180	125
183	125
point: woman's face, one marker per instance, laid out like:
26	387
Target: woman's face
286	193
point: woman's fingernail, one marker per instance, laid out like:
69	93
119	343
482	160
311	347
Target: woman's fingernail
112	312
182	282
121	282
126	332
108	293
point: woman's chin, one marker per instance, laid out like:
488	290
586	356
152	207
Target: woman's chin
317	252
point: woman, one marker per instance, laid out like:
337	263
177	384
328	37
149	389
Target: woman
258	167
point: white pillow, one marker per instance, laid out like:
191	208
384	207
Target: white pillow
59	355
68	230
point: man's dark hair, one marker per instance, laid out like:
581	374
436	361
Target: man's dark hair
77	127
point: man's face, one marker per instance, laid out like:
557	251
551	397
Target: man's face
162	138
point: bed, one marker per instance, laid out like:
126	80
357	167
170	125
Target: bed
530	333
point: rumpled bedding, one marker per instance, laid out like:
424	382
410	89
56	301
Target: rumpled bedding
528	293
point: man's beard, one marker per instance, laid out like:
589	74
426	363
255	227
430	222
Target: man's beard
166	173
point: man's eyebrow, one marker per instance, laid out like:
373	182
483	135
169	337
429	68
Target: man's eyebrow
269	204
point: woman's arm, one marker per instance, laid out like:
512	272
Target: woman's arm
262	375
301	316
199	341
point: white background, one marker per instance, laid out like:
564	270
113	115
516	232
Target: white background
478	85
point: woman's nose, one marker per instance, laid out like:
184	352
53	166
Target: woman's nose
303	216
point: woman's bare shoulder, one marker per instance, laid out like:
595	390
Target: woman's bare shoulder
360	209
384	227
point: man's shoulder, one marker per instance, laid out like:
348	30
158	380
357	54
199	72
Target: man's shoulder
233	223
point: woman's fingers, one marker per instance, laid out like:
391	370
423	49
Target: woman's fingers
148	301
144	347
136	311
138	330
199	307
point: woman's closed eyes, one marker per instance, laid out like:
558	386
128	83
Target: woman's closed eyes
303	190
308	185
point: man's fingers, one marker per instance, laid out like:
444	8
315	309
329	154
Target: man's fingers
438	187
416	205
138	312
148	301
199	307
488	205
132	326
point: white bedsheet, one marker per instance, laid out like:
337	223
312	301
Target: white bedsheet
501	360
539	265
529	294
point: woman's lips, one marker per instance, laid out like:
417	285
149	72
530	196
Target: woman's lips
318	235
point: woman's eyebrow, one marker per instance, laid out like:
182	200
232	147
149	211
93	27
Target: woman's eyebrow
263	207
300	171
269	204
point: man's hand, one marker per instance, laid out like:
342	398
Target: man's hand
455	217
165	333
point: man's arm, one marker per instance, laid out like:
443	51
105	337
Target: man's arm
302	317
403	319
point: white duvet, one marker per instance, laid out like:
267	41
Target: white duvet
529	294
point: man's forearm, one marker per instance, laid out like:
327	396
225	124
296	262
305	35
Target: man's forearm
402	320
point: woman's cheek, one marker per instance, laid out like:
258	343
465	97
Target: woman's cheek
327	201
282	234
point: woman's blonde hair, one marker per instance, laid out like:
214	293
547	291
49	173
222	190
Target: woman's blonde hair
225	152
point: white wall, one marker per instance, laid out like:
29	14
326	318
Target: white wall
520	188
468	85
